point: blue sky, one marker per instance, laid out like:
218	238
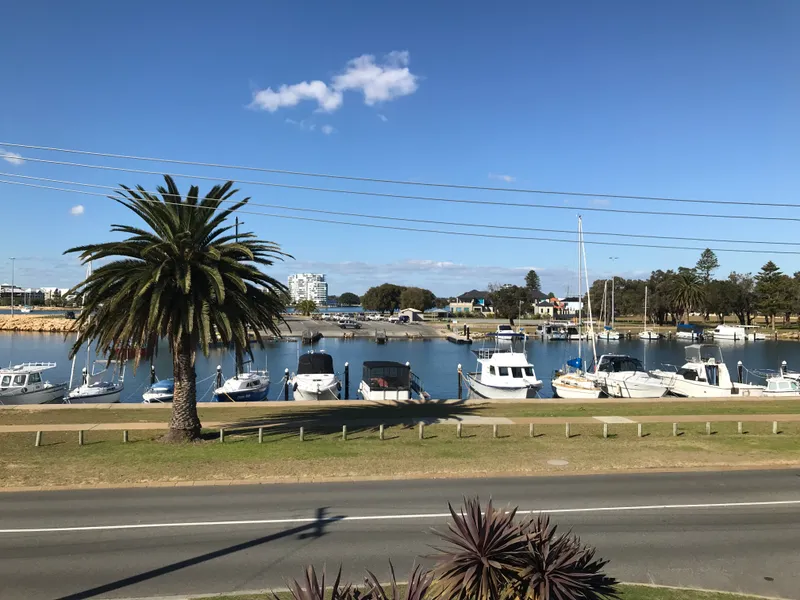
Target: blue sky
682	99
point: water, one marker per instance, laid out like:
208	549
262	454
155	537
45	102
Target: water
41	311
435	361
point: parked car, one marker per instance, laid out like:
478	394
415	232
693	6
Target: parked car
394	319
349	324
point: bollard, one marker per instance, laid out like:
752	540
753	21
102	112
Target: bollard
380	432
219	376
80	438
638	430
458	430
739	428
674	430
460	390
347	381
124	436
152	374
344	433
566	429
605	430
708	428
221	435
740	371
494	431
775	427
38	438
302	434
783	368
286	384
260	435
421	430
530	430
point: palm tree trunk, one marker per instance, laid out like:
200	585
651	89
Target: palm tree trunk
184	426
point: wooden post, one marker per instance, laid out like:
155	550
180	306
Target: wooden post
708	428
460	390
38	438
380	432
260	435
494	430
566	430
221	435
344	433
124	436
605	430
80	438
530	430
458	430
638	430
675	430
775	427
739	428
302	434
421	430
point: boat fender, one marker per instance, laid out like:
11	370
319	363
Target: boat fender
294	387
24	390
339	386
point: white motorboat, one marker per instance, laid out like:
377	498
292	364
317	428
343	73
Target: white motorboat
159	392
388	380
95	389
705	375
738	333
23	384
574	382
687	331
608	335
504	334
647	334
622	376
247	386
315	378
26	309
781	386
574	333
503	373
552	331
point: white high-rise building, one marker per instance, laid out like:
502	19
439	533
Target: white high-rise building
309	286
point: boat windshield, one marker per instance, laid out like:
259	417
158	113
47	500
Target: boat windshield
703	353
619	364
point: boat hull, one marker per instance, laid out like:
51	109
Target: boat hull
308	392
379	395
252	395
631	388
476	389
103	398
575	392
153	398
43	396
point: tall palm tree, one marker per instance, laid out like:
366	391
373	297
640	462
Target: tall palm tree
185	278
687	292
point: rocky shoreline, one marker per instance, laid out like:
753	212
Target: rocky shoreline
36	323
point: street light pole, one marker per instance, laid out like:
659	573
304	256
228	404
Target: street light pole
12	286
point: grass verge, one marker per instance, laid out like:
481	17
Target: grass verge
105	460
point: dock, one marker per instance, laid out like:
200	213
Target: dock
454	338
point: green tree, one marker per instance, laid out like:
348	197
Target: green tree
349	299
743	298
384	297
419	298
687	292
509	301
56	297
720	298
773	293
306	307
532	282
706	265
183	277
551	295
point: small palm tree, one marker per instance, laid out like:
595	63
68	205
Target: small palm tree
184	278
306	307
687	292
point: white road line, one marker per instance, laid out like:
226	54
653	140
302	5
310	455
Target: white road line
406	517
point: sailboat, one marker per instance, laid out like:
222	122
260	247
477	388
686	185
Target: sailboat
575	383
608	333
647	334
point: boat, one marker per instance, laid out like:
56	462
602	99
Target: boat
608	333
504	334
623	376
25	309
552	331
389	380
647	334
738	333
94	388
315	378
574	333
573	381
705	375
687	331
247	386
310	336
23	384
159	392
780	386
503	372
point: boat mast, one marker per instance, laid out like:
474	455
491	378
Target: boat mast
580	294
644	318
588	295
612	301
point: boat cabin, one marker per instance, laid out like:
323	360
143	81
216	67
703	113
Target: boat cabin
781	385
26	375
618	363
503	367
315	363
704	363
385	380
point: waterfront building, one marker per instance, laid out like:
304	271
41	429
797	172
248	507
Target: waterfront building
309	286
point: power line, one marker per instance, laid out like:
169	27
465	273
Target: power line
419	230
392	181
429	221
423	198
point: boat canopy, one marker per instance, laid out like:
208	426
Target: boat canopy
703	352
617	363
690	327
314	364
387	375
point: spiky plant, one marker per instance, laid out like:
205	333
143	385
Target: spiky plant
418	587
560	567
313	588
486	552
185	278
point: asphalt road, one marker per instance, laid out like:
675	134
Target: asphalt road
738	531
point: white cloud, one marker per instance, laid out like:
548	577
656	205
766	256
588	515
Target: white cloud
327	129
76	210
600	202
378	82
506	178
383	118
12	157
303	124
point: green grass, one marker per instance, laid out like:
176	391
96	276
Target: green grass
324	455
344	412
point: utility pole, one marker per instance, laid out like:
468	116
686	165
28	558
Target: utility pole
237	229
12	286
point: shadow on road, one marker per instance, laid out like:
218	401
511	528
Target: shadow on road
311	530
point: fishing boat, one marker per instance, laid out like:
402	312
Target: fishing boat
23	384
623	376
503	371
249	385
780	386
388	380
705	374
647	334
738	333
315	378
